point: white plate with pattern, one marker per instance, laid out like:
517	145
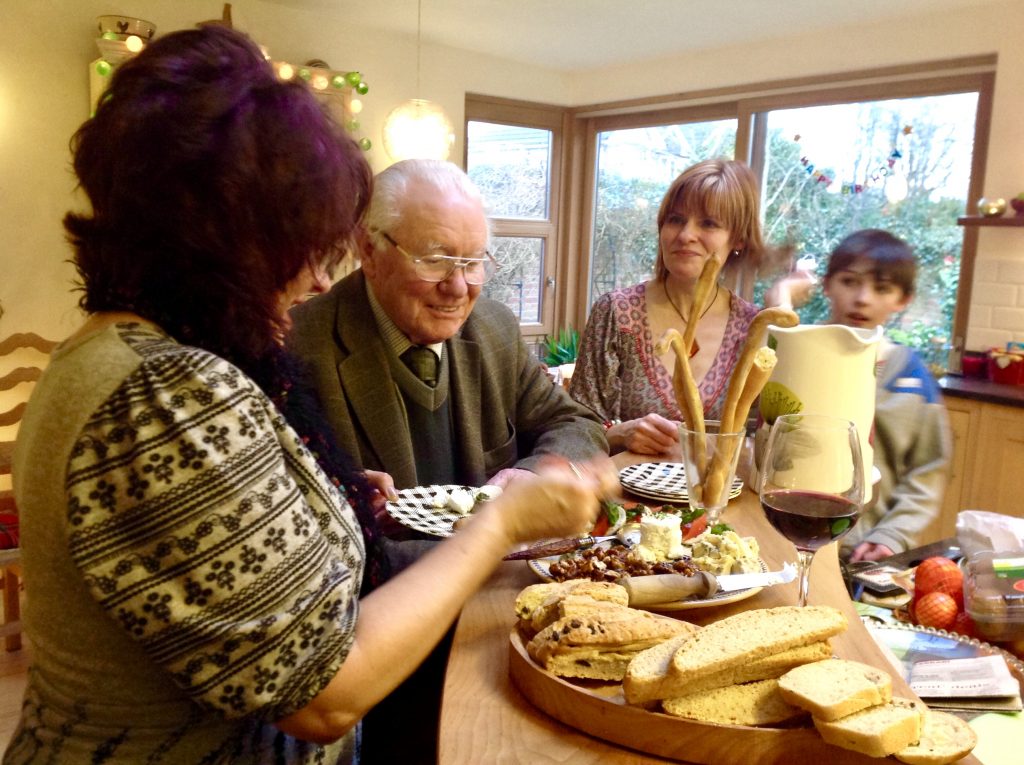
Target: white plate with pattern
542	568
415	509
665	481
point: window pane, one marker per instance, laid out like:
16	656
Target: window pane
518	283
634	169
512	168
901	165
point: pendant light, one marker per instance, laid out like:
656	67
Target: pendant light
417	128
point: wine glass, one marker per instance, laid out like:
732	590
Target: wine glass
812	483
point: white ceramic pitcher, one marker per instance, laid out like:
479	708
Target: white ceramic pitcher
825	369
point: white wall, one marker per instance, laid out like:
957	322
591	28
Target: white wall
44	97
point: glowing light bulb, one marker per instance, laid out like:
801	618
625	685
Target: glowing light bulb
418	129
355	106
134	43
319	82
286	71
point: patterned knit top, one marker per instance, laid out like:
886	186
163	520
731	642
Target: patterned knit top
194	574
619	375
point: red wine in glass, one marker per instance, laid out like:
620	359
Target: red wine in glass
809	519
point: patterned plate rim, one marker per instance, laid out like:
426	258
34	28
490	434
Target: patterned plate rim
539	567
413	509
634	478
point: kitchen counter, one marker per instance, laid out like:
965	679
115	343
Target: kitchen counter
982	390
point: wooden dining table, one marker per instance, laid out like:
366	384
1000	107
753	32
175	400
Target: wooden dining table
486	719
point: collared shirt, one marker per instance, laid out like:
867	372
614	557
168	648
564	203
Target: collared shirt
393	337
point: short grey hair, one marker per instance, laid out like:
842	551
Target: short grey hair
387	202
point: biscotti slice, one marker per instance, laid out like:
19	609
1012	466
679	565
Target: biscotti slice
876	731
944	738
584	646
749	635
757	703
835	688
648	677
647	673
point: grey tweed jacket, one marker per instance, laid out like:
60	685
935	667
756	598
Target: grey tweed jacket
505	409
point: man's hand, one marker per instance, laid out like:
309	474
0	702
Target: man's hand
504	477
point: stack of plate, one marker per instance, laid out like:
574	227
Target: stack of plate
663	481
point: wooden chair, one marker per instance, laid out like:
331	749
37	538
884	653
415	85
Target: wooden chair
10	559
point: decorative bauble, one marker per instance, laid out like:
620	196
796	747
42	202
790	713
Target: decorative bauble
992	208
1017	203
354	78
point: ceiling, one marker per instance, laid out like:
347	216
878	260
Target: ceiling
573	35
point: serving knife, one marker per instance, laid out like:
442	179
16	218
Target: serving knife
669	588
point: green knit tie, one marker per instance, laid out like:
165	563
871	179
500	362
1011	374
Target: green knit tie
423	363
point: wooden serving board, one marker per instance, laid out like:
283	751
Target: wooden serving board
601	711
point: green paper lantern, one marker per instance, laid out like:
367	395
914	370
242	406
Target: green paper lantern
110	35
354	78
103	68
305	74
352	126
337	81
365	144
362	88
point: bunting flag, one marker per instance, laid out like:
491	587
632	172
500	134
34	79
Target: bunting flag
851	187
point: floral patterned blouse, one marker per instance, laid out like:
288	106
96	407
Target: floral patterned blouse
619	375
194	574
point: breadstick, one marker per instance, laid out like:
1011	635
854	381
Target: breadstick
708	277
782	317
685	387
760	371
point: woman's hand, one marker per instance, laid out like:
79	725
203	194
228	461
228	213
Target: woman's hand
384	491
560	500
650	434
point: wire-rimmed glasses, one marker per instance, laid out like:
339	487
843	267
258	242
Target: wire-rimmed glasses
437	267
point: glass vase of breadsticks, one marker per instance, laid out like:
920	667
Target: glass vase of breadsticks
710	458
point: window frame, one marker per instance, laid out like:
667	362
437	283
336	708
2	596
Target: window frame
574	156
505	111
748	104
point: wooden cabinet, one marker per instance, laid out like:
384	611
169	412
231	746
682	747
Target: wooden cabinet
987	471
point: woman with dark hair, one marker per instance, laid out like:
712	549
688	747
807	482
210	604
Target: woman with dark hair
710	211
194	546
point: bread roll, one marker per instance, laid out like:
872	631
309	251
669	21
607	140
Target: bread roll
944	738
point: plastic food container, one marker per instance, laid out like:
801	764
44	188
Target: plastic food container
994	594
1006	368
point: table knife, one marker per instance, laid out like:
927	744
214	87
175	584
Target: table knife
559	547
669	588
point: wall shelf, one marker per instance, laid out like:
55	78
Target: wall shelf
984	220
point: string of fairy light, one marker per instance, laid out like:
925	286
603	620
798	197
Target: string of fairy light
320	79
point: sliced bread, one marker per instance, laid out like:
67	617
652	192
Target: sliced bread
547	594
835	688
757	703
876	731
750	635
648	676
944	738
601	645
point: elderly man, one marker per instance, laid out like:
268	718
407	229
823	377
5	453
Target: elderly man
483	408
424	380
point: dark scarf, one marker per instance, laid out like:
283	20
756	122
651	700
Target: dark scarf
283	378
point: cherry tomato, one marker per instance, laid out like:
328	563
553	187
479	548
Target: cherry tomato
936	609
695	527
939	574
